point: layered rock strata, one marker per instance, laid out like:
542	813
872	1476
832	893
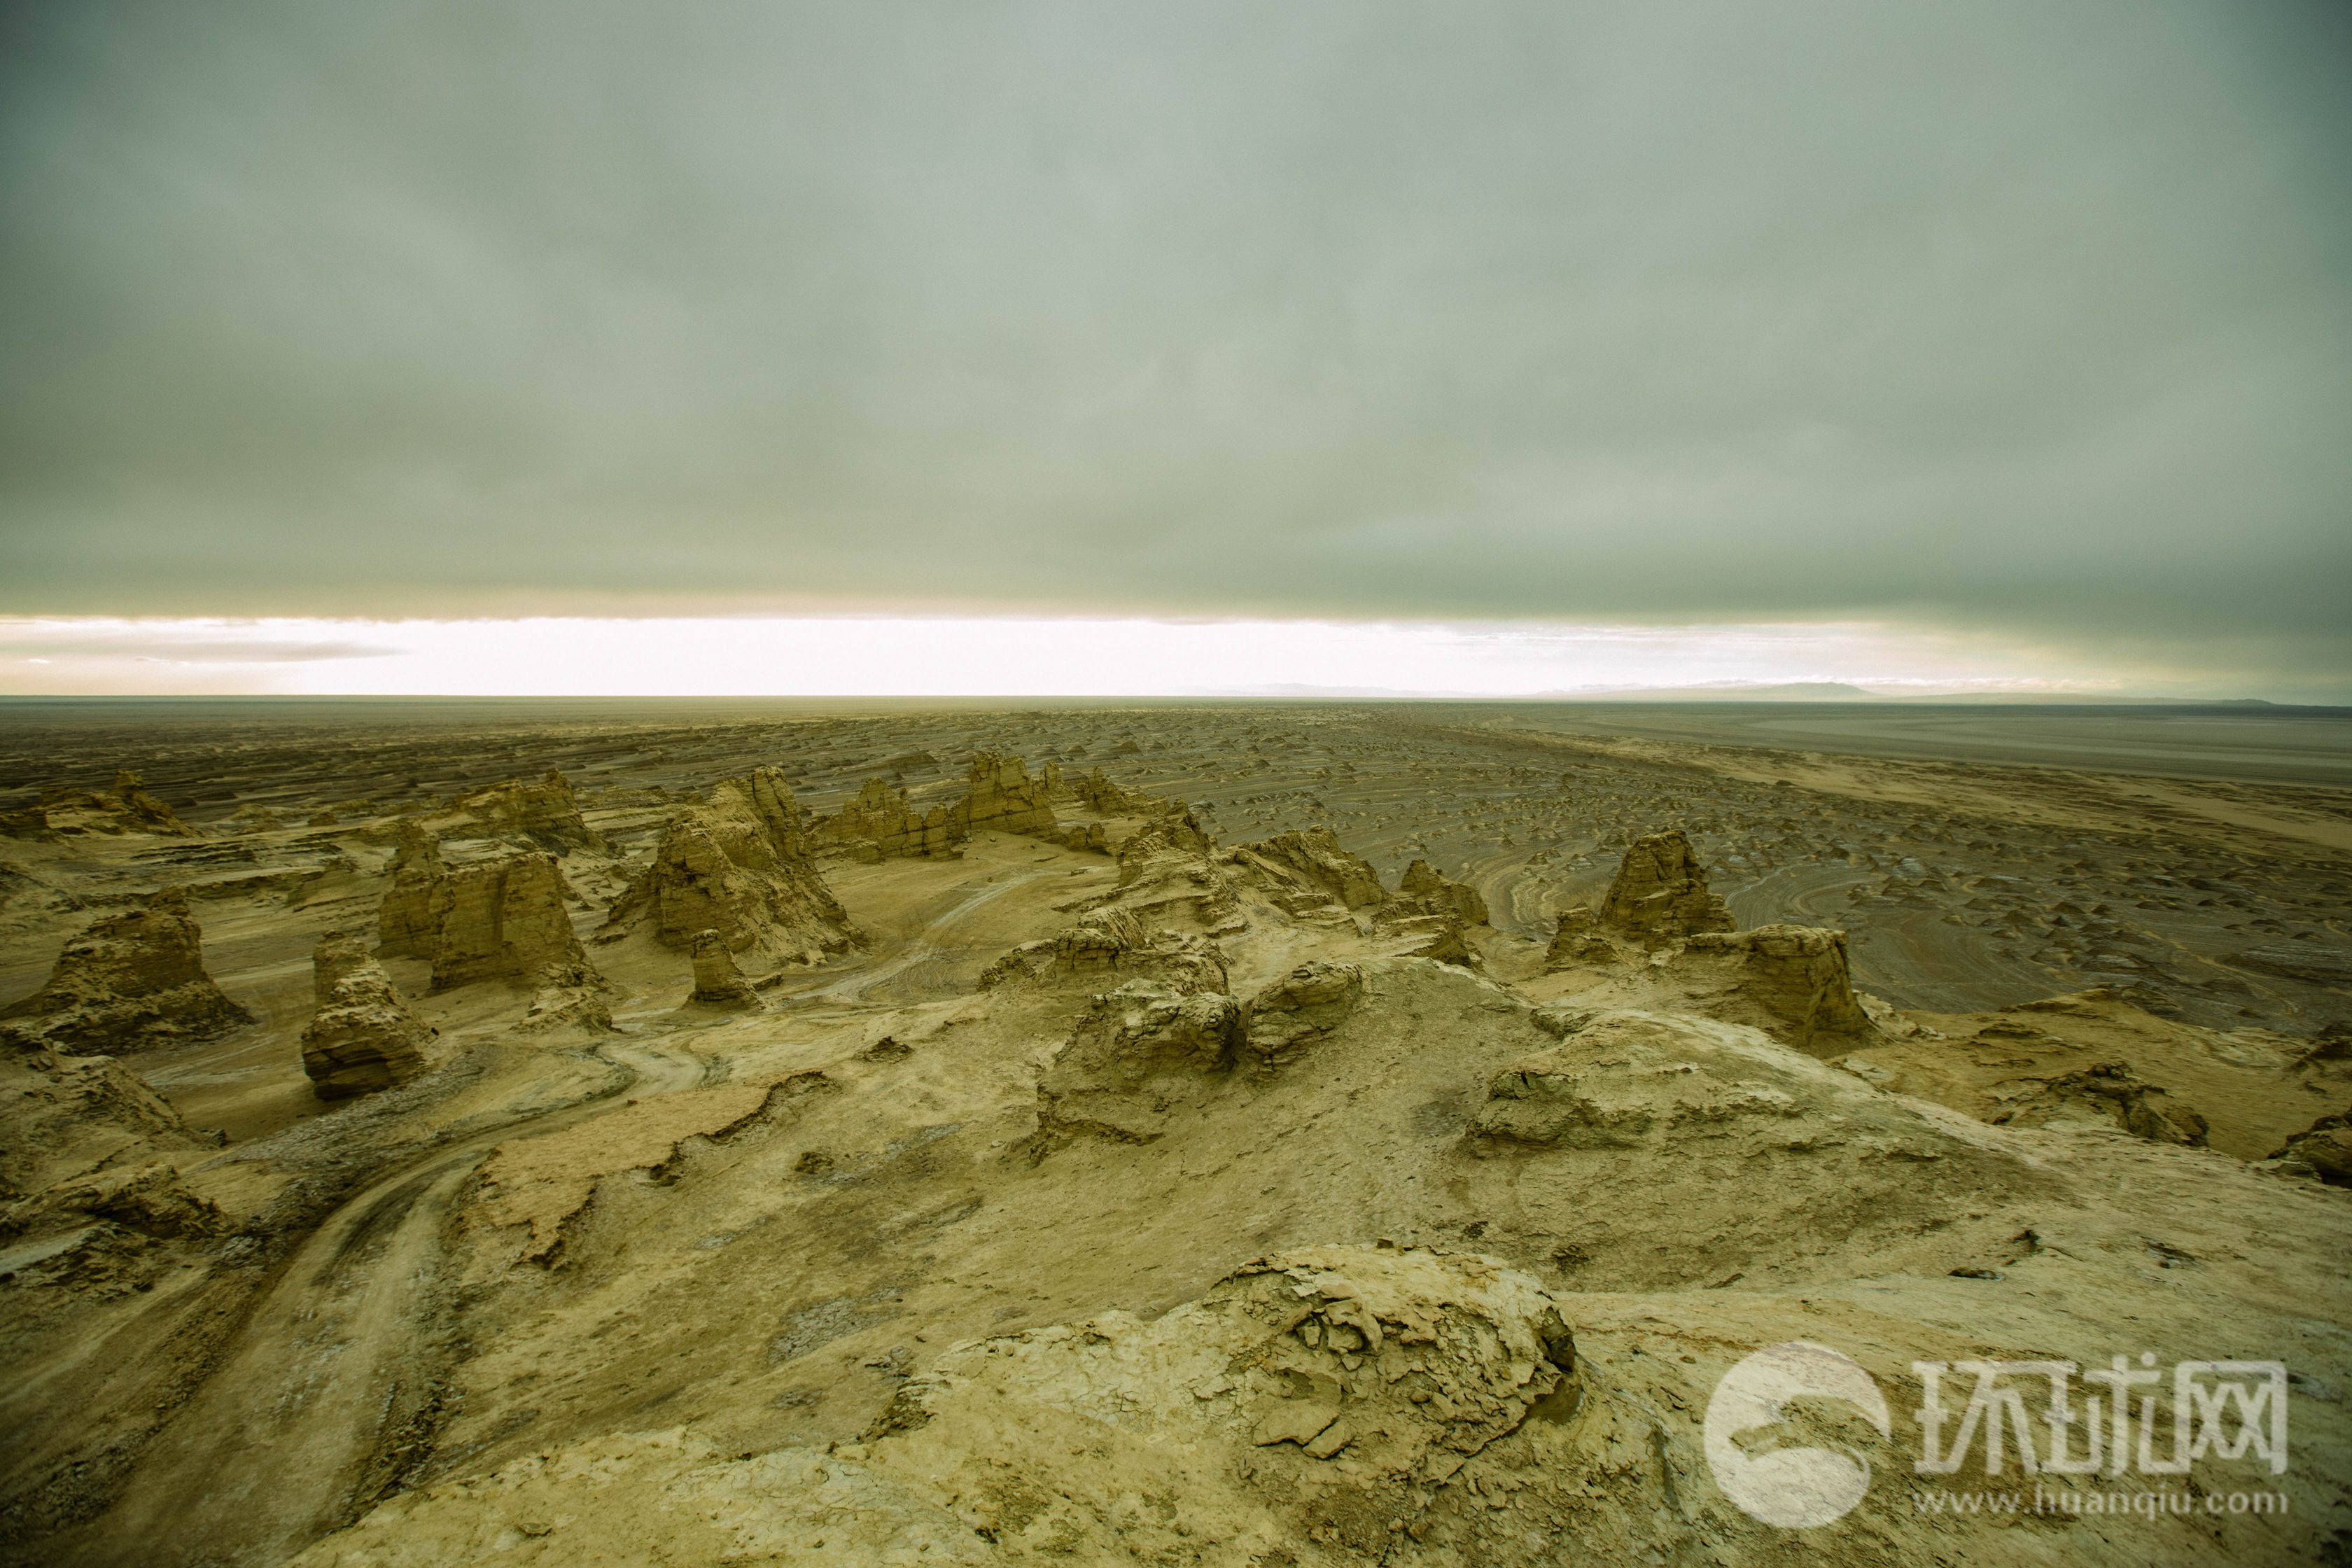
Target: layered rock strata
883	822
1660	893
717	983
1309	869
742	866
123	807
545	811
131	981
506	919
405	922
1791	981
363	1038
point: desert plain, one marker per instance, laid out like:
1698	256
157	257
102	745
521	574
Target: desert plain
1243	1133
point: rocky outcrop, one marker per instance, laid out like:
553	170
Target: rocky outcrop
2323	1150
566	1009
150	1199
363	1038
717	983
2109	1092
1300	1008
1140	1053
884	823
1328	1397
405	923
1421	881
1084	835
131	981
1632	1104
125	807
742	866
1178	837
1145	1051
1168	879
1577	940
1791	981
63	1116
1435	914
1098	793
1660	895
1396	1366
89	1180
1000	794
1112	943
1308	871
545	811
506	919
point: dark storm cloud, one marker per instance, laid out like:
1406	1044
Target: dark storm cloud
2030	316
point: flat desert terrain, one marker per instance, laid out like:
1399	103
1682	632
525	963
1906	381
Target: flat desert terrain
1246	1133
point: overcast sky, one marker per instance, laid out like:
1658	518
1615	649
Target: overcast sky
2023	321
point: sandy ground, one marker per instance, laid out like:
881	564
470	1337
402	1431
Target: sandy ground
706	1251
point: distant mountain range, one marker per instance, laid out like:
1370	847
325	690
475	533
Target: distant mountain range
1842	691
1742	691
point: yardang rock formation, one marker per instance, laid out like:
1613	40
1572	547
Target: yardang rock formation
363	1037
131	981
741	865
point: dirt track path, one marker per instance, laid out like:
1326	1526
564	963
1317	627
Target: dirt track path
927	947
302	1424
307	1420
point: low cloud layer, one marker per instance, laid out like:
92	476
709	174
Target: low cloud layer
2020	321
988	655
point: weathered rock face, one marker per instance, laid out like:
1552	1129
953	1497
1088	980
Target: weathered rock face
2323	1150
1292	1414
1659	892
1168	880
506	919
717	982
1791	981
1301	1007
1091	836
1000	794
545	811
567	1009
1114	942
1138	1052
1096	793
150	1199
87	1175
883	819
1307	870
1421	881
1406	1363
2105	1093
363	1038
123	807
131	981
1435	913
742	866
1578	941
406	923
63	1116
1631	1102
1176	837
